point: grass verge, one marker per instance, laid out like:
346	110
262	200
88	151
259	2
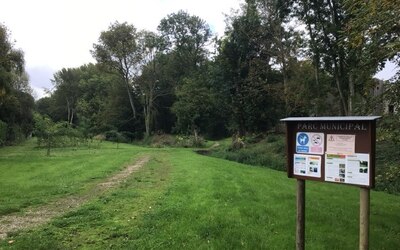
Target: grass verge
185	200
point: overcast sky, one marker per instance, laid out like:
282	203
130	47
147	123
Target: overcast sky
56	34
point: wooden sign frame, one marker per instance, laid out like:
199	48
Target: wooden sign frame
332	149
361	129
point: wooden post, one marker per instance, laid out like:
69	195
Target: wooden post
300	220
364	218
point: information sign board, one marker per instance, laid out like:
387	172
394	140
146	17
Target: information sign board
332	149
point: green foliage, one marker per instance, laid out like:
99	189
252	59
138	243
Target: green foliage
56	134
118	49
389	180
190	141
162	140
187	36
387	164
174	141
16	102
195	105
268	152
374	28
253	89
388	129
264	68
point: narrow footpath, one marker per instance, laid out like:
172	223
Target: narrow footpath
36	216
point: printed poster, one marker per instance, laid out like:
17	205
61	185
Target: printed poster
310	143
350	169
357	169
340	144
335	168
307	165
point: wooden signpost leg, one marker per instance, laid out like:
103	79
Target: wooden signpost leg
300	220
364	218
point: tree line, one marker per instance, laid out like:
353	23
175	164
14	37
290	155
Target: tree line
277	58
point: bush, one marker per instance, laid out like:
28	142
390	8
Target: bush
190	141
388	129
387	167
162	140
116	136
267	153
389	180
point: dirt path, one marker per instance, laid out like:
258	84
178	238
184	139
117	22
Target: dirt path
43	214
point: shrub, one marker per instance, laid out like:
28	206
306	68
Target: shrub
190	141
115	136
387	167
388	129
162	140
267	153
389	180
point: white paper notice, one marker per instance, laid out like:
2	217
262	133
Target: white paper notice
307	165
350	169
340	144
357	169
335	168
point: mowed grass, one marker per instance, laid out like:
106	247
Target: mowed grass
184	200
29	177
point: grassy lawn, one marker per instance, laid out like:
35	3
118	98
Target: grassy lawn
29	177
184	200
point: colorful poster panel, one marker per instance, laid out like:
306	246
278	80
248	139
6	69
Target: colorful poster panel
350	169
307	165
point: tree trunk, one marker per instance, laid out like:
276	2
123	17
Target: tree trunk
48	145
147	115
196	136
285	76
351	96
72	117
339	88
130	98
68	110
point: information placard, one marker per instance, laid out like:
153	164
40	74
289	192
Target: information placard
307	165
340	144
311	143
332	149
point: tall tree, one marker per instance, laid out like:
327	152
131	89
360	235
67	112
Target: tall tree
16	101
149	82
11	63
195	106
374	28
245	59
66	82
185	53
325	22
285	42
186	38
118	49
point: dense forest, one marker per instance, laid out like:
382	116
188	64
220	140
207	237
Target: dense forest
276	59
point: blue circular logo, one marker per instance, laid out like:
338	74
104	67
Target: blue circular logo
302	139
